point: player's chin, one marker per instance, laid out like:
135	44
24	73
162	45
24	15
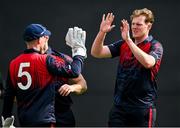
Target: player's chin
136	35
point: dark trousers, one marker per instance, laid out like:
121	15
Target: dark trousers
65	119
131	117
48	125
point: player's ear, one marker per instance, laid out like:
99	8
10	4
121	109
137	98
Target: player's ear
43	39
40	40
149	26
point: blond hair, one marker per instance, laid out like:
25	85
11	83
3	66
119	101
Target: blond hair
145	12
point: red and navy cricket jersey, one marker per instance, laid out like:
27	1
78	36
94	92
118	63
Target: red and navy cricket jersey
33	79
136	85
62	103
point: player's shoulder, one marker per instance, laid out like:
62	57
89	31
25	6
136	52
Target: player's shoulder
16	59
66	57
118	43
29	58
61	55
153	40
156	43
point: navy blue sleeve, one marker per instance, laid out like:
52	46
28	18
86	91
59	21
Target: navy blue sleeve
67	58
156	50
61	68
9	96
115	48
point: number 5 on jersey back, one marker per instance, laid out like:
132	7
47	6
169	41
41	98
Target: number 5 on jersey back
26	74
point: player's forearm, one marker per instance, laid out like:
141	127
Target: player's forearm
79	84
98	43
79	88
145	59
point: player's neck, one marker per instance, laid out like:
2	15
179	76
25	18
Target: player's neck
33	46
140	39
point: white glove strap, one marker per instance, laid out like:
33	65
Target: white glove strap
79	51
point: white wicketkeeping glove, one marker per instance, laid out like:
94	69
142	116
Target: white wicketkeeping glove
8	122
76	38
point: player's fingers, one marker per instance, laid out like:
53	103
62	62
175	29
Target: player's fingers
103	17
126	25
107	17
112	27
123	23
67	92
62	89
79	30
63	92
84	36
75	32
112	17
70	34
79	33
121	28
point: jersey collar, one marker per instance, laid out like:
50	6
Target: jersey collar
148	39
31	51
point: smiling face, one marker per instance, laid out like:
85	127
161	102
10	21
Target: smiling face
140	29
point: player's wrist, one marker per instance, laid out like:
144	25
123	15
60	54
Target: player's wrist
72	88
79	51
102	33
128	40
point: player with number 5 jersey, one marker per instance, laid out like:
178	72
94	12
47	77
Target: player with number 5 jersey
33	77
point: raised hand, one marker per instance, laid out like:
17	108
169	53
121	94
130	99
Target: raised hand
76	38
125	30
106	23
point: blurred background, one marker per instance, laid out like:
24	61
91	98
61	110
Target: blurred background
92	108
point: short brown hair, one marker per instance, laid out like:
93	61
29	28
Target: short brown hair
145	12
